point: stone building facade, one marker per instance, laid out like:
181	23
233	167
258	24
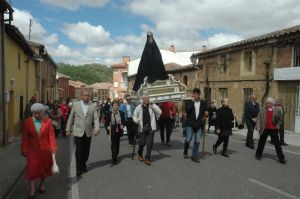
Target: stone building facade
63	85
120	75
239	69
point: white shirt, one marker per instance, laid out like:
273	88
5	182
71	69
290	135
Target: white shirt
129	115
85	107
197	108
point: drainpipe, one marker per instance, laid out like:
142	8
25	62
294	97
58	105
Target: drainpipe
3	82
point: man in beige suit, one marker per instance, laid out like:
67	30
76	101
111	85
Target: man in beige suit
83	122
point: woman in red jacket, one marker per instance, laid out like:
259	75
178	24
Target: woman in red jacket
65	110
38	145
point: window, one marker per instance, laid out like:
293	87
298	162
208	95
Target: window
207	93
223	63
298	101
19	60
21	108
185	80
223	92
116	84
296	55
247	93
248	59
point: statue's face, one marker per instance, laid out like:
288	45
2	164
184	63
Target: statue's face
150	37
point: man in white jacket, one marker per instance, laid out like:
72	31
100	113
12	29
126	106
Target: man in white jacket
145	116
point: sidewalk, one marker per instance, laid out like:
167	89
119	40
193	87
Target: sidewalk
291	138
12	166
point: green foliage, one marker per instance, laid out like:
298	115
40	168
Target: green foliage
88	73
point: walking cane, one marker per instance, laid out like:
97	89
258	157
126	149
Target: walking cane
205	126
134	141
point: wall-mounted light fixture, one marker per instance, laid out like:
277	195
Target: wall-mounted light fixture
12	83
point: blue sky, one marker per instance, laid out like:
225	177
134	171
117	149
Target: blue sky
102	31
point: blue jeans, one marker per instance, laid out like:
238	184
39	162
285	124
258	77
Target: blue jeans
189	135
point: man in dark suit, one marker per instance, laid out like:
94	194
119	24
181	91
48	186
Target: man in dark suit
251	112
195	113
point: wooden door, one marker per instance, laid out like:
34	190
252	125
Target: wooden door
288	92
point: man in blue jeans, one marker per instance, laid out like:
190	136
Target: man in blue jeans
195	113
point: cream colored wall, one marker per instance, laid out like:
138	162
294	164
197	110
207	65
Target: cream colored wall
19	75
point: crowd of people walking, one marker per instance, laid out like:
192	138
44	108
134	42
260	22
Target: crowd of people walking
82	119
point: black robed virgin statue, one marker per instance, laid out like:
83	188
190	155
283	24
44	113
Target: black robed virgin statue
151	64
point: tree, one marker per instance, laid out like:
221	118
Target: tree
88	73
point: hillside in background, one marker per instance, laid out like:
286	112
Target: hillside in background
88	73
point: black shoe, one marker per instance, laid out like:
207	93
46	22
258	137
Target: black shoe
78	173
258	157
195	160
225	155
168	144
283	161
115	162
42	190
284	144
31	197
251	146
85	170
214	149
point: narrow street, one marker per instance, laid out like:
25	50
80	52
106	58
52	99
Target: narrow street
172	176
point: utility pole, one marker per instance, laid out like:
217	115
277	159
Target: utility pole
30	25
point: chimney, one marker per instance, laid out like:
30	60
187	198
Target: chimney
172	49
126	59
204	48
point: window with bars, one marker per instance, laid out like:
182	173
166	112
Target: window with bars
185	80
296	55
19	60
223	93
247	93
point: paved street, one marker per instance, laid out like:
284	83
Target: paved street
172	176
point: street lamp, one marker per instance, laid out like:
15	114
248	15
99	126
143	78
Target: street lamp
194	61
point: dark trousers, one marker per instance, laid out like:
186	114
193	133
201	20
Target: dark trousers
165	123
146	137
82	151
221	139
63	126
130	126
274	138
115	145
249	139
281	133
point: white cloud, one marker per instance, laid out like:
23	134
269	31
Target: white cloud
186	24
222	39
75	4
190	24
85	33
38	33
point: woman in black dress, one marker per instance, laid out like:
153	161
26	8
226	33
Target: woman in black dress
114	124
223	126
